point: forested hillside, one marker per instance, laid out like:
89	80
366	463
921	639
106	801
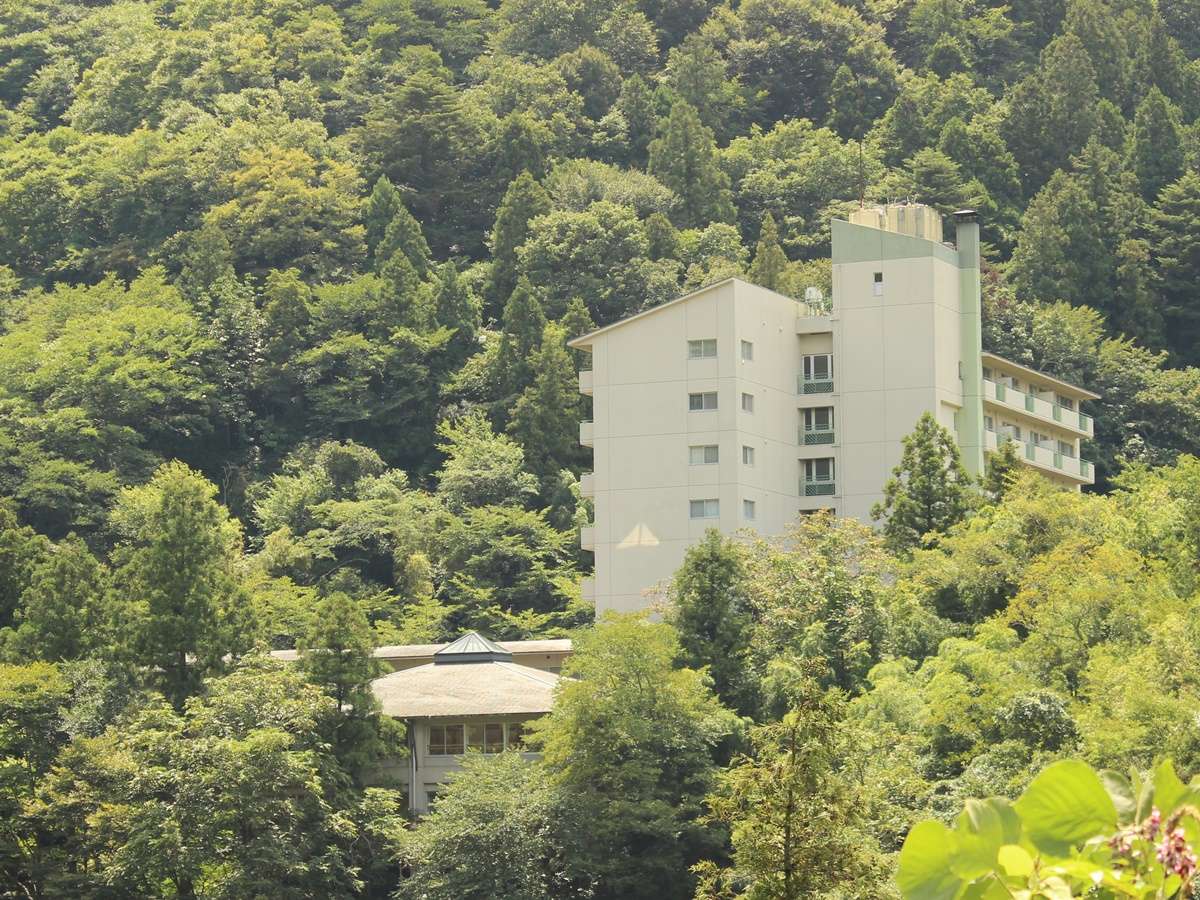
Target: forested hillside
285	291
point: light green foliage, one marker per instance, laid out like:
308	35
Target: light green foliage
498	829
794	811
817	593
929	490
770	262
1073	832
630	738
237	783
482	468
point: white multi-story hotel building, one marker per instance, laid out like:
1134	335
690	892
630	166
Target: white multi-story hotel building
736	407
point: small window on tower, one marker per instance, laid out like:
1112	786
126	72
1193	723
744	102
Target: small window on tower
878	284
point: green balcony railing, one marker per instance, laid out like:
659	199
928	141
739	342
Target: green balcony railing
816	385
818	488
818	437
1057	412
1029	402
1057	460
1085	422
999	391
1030	450
1085	468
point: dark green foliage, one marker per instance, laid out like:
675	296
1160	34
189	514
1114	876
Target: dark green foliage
1175	225
523	201
711	612
770	262
683	158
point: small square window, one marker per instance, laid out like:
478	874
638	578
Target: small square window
704	455
748	403
704	509
748	510
703	401
747	455
747	351
878	285
704	349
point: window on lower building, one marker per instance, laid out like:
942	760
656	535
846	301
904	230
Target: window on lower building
748	510
704	455
475	736
748	403
1066	448
1065	402
431	797
878	284
988	423
818	469
703	349
747	455
704	509
493	737
702	401
516	736
747	351
445	740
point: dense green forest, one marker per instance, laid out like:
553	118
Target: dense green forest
285	291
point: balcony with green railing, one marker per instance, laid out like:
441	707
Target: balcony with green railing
819	488
815	384
810	437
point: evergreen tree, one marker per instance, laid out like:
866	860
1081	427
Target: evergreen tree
684	158
337	655
382	208
523	324
1175	235
711	611
637	104
207	259
1052	112
1158	156
63	615
179	608
935	179
795	818
408	296
545	419
524	200
456	307
929	490
482	468
577	322
662	238
1000	469
403	235
770	262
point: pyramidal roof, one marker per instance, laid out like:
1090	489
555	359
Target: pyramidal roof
472	647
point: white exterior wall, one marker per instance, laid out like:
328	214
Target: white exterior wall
641	379
896	357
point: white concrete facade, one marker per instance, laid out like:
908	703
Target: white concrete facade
806	408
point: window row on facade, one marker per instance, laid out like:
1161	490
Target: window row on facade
486	737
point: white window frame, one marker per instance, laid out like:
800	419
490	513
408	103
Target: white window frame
747	403
747	351
699	454
704	398
810	366
702	348
510	734
810	471
747	455
709	508
749	510
810	418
